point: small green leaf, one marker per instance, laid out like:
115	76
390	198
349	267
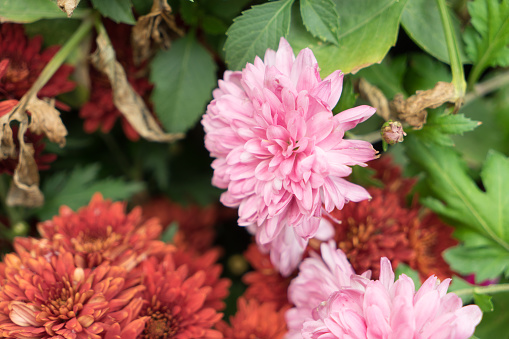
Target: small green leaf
257	29
348	96
169	233
368	29
24	11
406	270
76	188
116	10
184	77
321	19
421	21
484	302
494	324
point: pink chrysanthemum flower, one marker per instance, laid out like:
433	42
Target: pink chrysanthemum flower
280	151
364	308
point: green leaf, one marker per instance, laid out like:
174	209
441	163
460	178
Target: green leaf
439	127
406	270
348	96
321	19
184	77
368	29
481	217
494	324
116	10
387	76
76	188
424	72
257	29
487	39
484	302
462	289
54	32
24	11
169	233
422	23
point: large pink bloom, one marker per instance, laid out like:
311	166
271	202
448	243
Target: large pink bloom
363	308
280	151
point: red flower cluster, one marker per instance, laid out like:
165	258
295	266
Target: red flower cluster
387	227
100	111
102	273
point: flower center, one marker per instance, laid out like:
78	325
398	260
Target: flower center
162	324
15	72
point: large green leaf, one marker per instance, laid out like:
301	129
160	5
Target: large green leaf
368	29
494	324
184	77
116	10
255	30
76	188
321	19
421	21
24	11
480	217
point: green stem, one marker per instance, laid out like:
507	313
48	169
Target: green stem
490	289
458	77
371	137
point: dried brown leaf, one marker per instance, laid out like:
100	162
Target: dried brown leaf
68	6
153	31
125	98
46	119
413	110
376	98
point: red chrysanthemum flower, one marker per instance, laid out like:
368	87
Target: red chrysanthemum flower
99	232
21	62
51	297
196	225
175	300
265	284
386	227
100	111
42	160
255	320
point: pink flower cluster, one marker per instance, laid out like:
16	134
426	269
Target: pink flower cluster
331	301
281	153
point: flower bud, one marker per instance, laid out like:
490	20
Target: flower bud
392	132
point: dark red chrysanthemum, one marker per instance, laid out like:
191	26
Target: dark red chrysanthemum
51	297
21	62
42	160
100	111
386	227
196	224
264	283
99	232
255	320
177	299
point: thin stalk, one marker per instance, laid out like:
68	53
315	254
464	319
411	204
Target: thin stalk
458	77
490	289
488	86
371	137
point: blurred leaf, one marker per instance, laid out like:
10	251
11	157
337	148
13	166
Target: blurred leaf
213	25
321	19
54	31
483	215
424	72
184	77
484	302
190	12
387	76
439	127
348	96
24	11
462	289
169	233
412	274
75	189
257	29
365	177
142	7
421	21
116	10
494	324
225	9
368	29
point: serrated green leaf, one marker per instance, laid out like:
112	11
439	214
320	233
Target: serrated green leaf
116	10
76	188
412	274
422	23
368	29
321	19
184	77
257	29
439	127
25	11
484	302
457	197
487	39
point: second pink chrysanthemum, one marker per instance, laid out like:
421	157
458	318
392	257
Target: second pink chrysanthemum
280	151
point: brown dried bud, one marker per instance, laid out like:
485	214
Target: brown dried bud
392	132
